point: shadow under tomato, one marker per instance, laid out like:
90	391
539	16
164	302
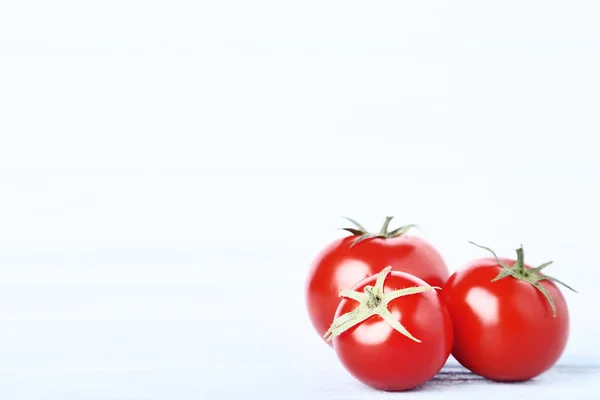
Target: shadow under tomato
456	375
450	376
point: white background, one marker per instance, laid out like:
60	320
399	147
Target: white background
169	169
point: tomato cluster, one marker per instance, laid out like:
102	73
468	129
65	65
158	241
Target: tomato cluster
393	314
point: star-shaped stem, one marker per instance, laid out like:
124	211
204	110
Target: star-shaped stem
362	233
373	301
533	276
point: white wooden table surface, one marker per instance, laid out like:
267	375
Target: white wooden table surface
203	329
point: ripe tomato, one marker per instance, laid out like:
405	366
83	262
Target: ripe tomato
392	331
511	322
348	260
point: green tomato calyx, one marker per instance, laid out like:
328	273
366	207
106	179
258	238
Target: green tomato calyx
383	233
533	276
373	301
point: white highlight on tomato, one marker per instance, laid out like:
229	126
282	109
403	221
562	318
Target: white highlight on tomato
373	333
484	304
352	272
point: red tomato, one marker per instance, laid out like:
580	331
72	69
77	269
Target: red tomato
510	321
392	331
348	260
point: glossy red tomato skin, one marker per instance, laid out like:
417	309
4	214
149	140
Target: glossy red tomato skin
504	330
383	358
338	267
